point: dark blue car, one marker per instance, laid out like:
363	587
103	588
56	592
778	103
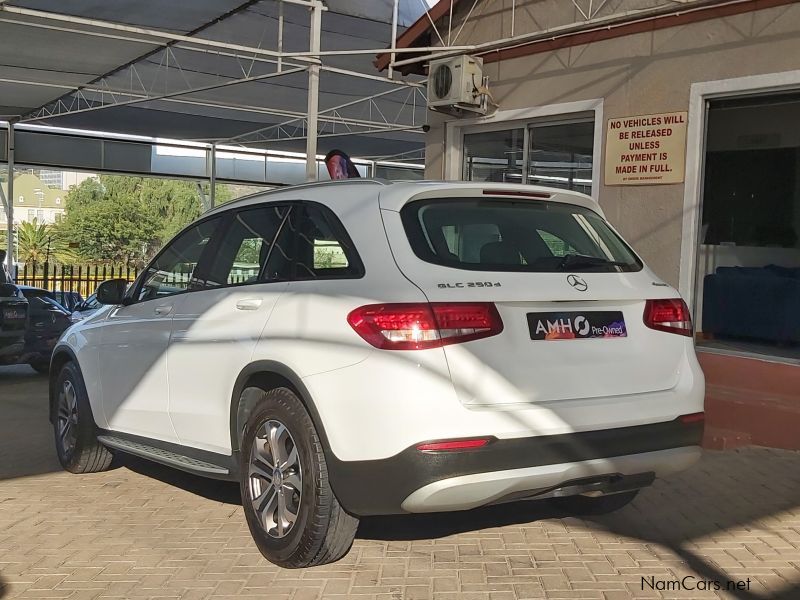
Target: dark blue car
47	320
13	323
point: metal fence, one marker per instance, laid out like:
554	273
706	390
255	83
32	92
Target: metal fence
68	278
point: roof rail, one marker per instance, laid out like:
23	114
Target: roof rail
303	186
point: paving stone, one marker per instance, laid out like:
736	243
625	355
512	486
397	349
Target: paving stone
145	531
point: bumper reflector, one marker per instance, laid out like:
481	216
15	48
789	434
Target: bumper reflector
693	418
453	445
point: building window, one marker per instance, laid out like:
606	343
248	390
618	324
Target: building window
58	200
31	214
494	156
22	199
555	153
40	216
561	155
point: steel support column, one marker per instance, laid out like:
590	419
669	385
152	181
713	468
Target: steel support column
10	207
395	10
312	117
213	174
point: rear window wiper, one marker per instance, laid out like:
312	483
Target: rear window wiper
570	261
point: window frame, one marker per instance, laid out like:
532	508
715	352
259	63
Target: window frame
526	128
521	117
341	233
135	289
201	273
556	121
230	216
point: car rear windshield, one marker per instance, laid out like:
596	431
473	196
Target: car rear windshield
514	235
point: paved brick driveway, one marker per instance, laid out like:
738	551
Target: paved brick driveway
140	531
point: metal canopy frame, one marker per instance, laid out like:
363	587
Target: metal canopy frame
165	83
446	22
160	78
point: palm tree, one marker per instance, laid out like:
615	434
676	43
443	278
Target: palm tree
36	243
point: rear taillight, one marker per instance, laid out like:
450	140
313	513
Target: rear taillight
418	326
670	315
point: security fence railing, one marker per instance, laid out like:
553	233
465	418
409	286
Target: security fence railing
82	279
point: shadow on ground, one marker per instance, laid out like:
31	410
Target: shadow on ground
26	437
701	502
724	491
226	492
704	501
439	525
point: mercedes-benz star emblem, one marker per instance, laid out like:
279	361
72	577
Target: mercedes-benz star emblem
578	283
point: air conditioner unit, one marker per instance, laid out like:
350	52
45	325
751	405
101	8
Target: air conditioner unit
456	85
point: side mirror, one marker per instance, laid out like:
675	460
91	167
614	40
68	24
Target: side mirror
112	291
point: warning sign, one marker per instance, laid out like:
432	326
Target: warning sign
646	150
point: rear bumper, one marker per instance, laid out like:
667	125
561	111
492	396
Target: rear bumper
621	473
505	469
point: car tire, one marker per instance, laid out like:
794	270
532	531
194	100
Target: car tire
77	446
40	366
597	505
292	512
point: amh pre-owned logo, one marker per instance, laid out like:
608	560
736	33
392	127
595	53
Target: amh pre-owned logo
576	325
577	282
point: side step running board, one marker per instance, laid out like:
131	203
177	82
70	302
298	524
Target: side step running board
166	457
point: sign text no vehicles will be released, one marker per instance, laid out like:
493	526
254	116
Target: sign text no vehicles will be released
646	150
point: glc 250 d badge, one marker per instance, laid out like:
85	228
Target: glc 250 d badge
578	283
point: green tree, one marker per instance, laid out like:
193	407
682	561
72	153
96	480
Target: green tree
122	218
175	203
109	221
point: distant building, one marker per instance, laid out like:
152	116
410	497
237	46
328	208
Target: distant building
34	200
52	179
61	180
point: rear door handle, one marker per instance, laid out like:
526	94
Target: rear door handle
163	310
248	304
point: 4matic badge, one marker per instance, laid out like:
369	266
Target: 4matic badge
470	284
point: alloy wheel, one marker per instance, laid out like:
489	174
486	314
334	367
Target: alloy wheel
275	478
67	419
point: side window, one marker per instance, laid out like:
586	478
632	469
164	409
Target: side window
246	248
556	245
322	247
174	270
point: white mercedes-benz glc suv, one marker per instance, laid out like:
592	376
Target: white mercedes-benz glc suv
364	348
